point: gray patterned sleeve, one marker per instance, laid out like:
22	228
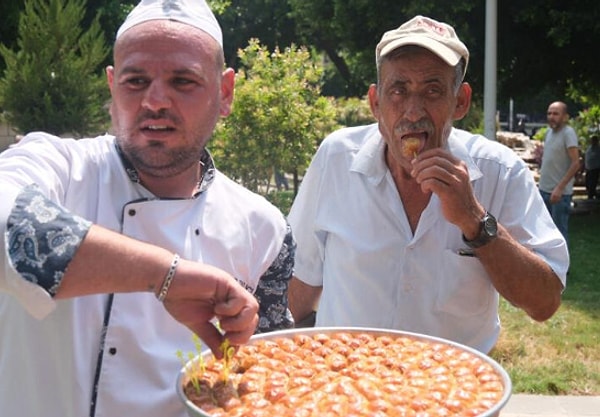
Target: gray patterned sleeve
42	238
272	290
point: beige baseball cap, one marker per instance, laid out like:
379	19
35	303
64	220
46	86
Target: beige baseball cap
440	38
191	12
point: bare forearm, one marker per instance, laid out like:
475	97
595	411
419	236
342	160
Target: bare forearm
303	299
521	276
573	169
108	262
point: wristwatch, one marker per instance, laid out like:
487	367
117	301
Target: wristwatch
488	231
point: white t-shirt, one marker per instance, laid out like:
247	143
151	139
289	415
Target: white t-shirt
354	239
51	348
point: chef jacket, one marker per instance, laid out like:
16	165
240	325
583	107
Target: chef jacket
114	354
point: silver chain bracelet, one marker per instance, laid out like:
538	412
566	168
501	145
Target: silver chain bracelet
164	289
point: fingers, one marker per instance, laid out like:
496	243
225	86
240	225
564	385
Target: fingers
438	173
439	165
201	293
211	336
238	318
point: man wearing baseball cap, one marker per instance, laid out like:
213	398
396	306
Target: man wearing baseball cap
120	247
412	224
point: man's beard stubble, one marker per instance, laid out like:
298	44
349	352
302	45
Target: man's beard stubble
155	159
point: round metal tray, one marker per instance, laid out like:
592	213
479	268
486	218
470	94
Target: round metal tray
194	411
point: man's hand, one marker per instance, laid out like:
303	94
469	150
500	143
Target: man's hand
200	293
556	195
437	171
109	262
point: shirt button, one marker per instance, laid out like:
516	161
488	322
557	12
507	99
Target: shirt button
131	212
112	351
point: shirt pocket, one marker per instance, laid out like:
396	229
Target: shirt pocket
464	287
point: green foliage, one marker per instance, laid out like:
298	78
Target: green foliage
540	134
353	111
197	366
241	20
473	121
331	26
278	116
586	123
110	14
219	6
51	81
282	200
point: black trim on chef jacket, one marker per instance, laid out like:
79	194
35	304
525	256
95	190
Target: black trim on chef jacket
208	173
101	354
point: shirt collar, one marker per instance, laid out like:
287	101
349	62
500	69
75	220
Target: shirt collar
206	160
457	144
370	159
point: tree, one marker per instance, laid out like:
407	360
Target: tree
545	47
546	54
242	20
348	31
52	81
278	116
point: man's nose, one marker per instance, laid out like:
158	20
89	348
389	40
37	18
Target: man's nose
156	97
414	108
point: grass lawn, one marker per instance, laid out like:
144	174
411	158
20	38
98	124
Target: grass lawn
561	355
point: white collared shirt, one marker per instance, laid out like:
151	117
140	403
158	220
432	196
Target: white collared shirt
354	239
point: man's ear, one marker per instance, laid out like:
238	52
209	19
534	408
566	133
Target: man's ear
463	101
110	76
227	91
374	100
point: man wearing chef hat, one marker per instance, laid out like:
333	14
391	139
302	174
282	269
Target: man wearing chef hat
118	247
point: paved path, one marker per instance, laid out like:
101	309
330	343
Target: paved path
523	405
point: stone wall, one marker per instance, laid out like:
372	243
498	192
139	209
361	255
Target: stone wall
7	136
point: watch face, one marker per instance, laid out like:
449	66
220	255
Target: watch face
490	225
487	233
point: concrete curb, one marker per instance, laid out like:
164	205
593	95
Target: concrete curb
525	405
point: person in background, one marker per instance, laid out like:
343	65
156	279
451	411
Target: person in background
281	181
118	248
414	225
592	167
560	164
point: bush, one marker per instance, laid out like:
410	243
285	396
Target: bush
586	123
353	111
50	82
282	200
278	116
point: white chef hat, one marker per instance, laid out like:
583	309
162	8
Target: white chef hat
195	13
